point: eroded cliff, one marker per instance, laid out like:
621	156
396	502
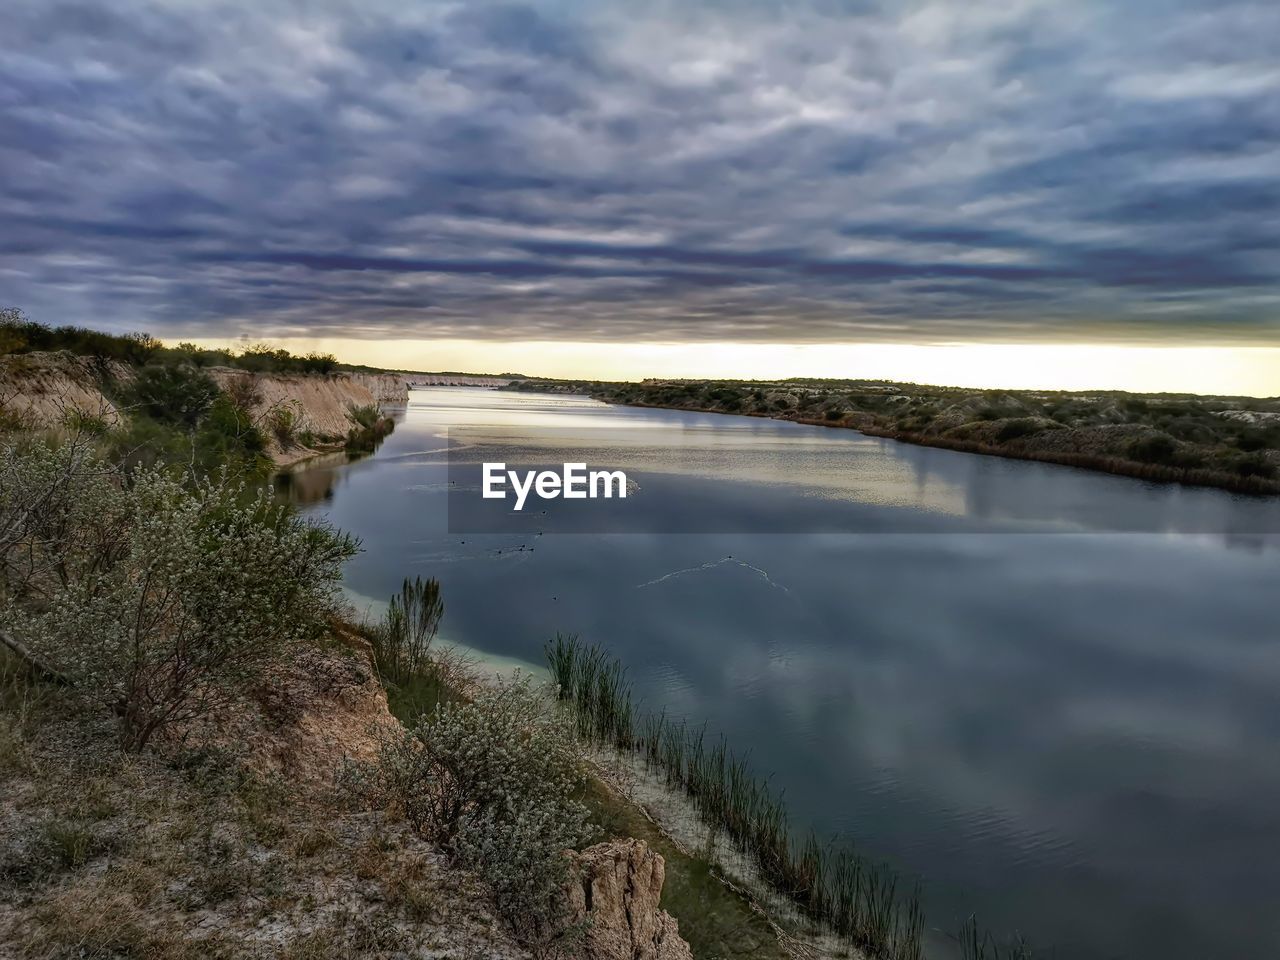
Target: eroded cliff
299	414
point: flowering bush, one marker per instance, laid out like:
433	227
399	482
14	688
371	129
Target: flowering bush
504	749
498	780
401	779
520	854
160	601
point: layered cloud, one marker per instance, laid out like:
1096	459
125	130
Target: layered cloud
1012	170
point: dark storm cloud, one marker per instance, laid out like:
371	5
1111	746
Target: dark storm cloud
1008	170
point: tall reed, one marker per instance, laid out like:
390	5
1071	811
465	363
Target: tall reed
402	640
978	945
860	900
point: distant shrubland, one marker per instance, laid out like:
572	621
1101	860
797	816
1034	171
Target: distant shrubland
1229	442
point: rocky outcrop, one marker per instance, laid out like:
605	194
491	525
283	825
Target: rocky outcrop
621	883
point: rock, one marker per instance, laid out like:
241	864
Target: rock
621	882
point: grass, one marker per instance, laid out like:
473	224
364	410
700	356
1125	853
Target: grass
414	685
858	899
107	855
72	843
862	901
418	694
977	945
715	920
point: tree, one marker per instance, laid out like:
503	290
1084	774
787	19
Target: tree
139	347
12	337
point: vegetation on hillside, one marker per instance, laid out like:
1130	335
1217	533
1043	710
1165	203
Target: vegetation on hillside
517	736
177	416
19	334
149	621
496	780
1229	442
369	427
199	851
174	410
154	599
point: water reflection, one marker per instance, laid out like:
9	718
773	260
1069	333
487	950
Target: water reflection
1071	734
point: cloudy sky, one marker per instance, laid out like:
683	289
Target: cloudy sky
627	175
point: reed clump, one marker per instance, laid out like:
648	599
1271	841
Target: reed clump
976	944
859	899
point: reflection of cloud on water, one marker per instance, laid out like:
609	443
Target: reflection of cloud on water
710	565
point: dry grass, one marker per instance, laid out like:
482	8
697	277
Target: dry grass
199	855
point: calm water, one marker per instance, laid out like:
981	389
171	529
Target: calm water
1068	730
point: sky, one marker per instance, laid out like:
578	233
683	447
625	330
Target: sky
1019	193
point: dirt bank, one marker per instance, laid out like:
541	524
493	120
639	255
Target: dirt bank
45	389
305	414
299	414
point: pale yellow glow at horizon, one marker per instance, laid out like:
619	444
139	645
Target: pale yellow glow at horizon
1245	371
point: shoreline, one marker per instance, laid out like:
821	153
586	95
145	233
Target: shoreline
1115	466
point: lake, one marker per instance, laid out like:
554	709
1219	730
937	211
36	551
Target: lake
1052	695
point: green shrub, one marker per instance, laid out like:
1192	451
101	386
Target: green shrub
229	438
156	600
87	423
283	425
1157	448
1013	429
370	426
1252	439
1255	465
366	416
19	334
202	357
179	394
520	854
505	747
499	781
